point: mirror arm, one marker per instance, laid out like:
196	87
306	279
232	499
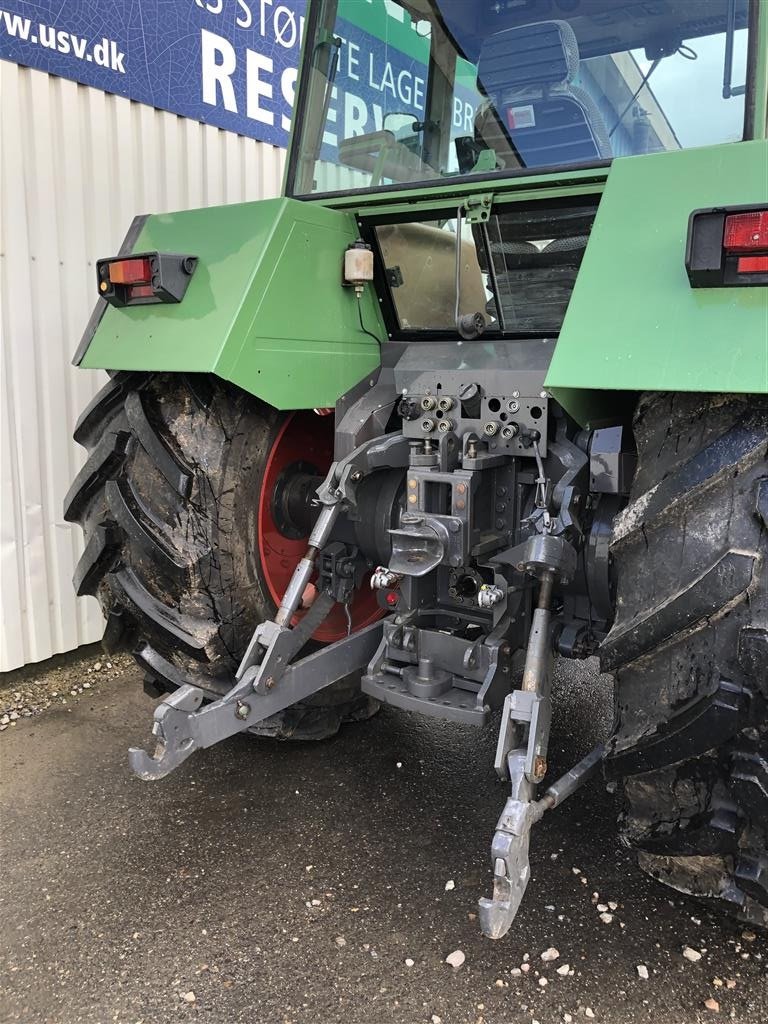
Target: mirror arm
729	89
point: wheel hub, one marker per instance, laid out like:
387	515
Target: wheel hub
299	458
292	508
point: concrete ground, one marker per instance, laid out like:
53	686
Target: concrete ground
267	882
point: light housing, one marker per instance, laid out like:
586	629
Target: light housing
728	247
142	279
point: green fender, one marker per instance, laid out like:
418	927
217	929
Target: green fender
265	307
266	310
634	323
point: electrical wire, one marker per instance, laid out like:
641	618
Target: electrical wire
687	52
363	328
637	92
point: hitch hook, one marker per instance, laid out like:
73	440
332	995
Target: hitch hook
170	728
511	867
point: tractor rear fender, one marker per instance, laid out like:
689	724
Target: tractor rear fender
265	307
634	323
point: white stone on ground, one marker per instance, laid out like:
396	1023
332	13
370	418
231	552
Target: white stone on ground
455	959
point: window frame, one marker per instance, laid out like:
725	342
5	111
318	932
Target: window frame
303	95
368	224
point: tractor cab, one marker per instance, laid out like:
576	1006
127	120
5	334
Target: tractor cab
439	94
418	92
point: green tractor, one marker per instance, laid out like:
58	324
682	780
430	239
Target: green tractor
491	377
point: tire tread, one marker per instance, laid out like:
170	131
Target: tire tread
692	615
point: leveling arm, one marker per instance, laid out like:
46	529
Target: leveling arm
521	753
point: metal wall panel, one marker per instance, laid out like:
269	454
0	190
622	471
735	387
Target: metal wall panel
75	166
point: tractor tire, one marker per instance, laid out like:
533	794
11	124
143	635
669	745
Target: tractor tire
171	501
689	649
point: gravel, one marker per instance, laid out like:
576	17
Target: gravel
61	682
121	899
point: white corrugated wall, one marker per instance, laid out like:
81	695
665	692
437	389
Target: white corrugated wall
75	166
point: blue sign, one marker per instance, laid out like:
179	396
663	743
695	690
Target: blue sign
229	63
233	63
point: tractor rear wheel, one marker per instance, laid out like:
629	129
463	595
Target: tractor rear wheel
689	648
184	545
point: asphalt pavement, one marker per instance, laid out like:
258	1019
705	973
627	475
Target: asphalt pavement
269	882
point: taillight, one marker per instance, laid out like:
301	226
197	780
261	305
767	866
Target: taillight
753	265
728	247
746	232
144	278
136	271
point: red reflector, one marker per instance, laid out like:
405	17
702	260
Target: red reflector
745	232
130	272
391	599
140	291
753	265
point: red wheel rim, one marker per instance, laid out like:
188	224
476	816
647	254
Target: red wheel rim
303	437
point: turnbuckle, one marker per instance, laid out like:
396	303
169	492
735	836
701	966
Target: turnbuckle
521	753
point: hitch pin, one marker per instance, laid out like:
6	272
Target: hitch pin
566	785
